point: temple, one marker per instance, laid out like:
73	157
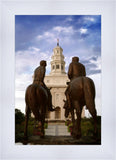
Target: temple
57	80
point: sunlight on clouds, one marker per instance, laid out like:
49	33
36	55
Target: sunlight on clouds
83	30
57	31
89	19
49	34
39	37
34	49
22	81
28	60
97	62
46	35
64	29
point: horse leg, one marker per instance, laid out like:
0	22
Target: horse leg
42	126
72	115
73	120
42	122
77	124
93	112
37	115
27	112
78	113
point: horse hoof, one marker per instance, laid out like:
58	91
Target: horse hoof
42	136
25	142
78	136
25	138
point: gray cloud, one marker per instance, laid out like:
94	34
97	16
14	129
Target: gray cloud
92	65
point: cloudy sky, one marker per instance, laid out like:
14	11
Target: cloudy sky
36	36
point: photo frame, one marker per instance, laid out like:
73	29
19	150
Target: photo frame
9	9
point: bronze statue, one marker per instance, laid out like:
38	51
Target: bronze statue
82	92
75	70
39	75
36	99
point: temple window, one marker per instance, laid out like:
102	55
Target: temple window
57	66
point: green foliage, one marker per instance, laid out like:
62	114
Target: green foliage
68	122
19	125
87	126
19	116
19	131
45	125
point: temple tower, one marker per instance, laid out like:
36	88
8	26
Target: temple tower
57	62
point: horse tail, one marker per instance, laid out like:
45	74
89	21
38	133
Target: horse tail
89	94
32	100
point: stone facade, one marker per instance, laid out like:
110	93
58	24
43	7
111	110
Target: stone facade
56	80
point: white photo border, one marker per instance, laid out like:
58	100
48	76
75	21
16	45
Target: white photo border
9	9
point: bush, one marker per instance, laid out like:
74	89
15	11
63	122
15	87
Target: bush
19	116
87	126
45	125
33	127
68	122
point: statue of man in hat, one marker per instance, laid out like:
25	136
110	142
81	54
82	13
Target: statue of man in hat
76	69
39	75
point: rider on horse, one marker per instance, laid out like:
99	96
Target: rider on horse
75	70
39	75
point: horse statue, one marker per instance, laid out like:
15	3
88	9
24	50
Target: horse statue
82	92
36	99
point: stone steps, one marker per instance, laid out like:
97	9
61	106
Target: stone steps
57	130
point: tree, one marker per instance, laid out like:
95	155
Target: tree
19	116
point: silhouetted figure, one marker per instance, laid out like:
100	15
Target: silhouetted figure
75	70
39	75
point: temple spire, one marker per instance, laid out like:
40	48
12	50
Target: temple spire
57	42
57	62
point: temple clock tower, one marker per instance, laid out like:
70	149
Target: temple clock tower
57	62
